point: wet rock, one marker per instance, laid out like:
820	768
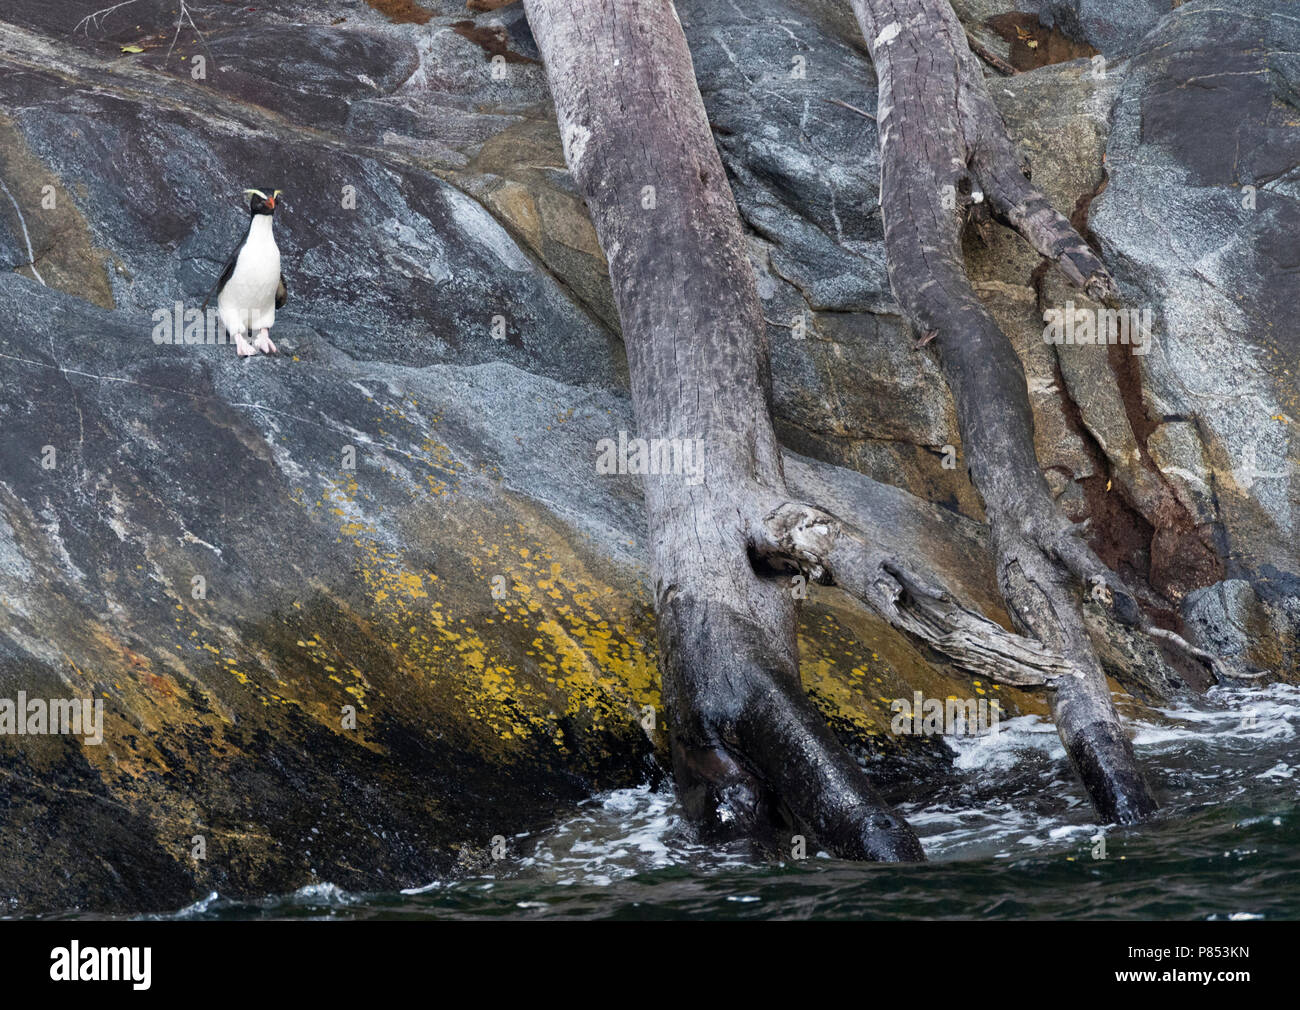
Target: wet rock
1193	231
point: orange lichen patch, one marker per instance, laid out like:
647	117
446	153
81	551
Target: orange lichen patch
854	666
581	643
516	637
141	706
160	684
576	662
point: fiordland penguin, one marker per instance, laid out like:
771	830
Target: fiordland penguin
252	287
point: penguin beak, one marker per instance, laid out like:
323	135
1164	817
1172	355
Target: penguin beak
270	202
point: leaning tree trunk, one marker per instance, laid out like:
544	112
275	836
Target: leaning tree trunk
746	742
940	134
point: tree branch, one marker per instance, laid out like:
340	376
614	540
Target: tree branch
832	552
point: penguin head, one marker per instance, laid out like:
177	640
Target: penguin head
260	202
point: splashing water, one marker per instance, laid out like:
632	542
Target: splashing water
1009	834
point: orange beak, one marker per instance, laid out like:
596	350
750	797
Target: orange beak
270	202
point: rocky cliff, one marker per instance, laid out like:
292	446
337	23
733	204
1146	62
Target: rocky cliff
355	610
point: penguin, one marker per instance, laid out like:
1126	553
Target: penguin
251	286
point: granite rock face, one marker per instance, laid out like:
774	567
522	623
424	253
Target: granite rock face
355	610
1198	220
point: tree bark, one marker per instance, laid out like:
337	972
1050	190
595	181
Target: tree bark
940	134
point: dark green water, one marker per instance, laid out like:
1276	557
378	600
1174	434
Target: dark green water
1008	836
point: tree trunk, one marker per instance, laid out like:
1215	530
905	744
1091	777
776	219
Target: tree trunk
746	742
940	134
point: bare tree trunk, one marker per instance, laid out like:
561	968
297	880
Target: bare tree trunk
744	735
940	134
748	748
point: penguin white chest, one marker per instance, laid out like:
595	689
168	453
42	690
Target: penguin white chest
247	302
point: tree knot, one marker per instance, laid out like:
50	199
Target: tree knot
801	536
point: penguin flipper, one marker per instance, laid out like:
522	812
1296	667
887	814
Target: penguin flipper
281	294
225	275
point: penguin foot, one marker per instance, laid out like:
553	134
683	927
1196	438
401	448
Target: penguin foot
263	343
243	348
